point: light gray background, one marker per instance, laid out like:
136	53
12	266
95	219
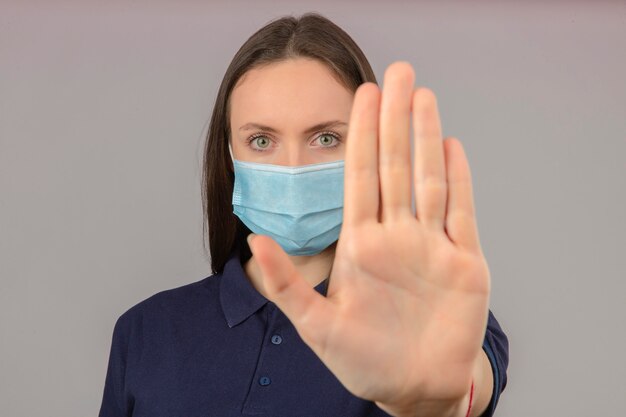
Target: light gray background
102	111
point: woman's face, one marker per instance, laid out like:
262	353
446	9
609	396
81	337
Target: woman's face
289	113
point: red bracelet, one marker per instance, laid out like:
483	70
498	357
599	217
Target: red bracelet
469	408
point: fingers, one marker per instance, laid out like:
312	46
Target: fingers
378	163
430	170
309	311
460	225
394	145
361	194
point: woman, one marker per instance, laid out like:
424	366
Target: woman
345	301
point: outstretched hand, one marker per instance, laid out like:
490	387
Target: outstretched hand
406	309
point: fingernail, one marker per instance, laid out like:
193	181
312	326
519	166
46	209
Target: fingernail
250	237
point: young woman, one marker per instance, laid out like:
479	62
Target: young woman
334	292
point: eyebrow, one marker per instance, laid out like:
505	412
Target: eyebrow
319	126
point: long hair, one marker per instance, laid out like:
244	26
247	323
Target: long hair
311	36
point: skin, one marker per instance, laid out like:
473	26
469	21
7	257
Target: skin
405	314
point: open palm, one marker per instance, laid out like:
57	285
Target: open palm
407	304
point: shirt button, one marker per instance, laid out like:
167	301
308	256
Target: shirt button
276	339
264	380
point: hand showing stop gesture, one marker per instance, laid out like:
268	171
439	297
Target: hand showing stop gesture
407	304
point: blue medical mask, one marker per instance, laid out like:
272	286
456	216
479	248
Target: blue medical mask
301	207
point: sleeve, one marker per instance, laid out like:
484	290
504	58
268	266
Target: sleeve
114	399
496	346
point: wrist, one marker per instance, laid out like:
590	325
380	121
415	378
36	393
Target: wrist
468	405
468	401
431	408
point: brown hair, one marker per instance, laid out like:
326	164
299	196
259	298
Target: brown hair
310	36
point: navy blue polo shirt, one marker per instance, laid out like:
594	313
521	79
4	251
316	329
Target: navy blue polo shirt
218	348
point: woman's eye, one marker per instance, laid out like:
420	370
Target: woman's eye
260	142
328	140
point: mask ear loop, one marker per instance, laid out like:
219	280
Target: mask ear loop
232	158
230	149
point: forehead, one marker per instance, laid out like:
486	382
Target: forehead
300	91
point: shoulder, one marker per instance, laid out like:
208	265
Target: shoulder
182	302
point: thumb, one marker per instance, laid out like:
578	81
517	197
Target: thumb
308	310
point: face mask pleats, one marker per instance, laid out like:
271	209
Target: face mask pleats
301	207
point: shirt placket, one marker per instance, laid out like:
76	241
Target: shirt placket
267	372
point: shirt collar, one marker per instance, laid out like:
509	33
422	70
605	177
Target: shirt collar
238	297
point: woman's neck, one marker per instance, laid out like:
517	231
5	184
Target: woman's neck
314	269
